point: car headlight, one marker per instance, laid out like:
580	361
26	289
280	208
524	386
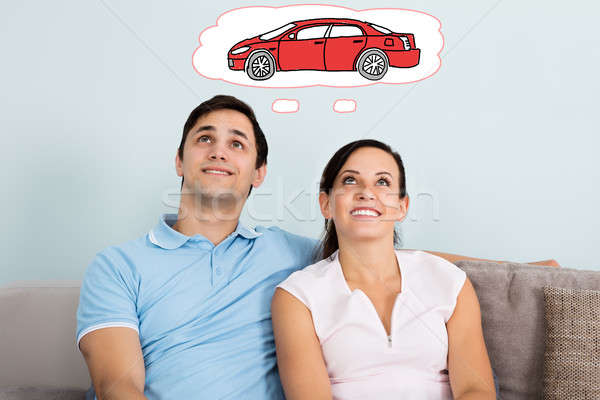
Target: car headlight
240	50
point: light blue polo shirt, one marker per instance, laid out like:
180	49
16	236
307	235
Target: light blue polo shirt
202	311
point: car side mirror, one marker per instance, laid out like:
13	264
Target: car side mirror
292	35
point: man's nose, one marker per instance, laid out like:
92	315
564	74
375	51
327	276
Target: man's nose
218	154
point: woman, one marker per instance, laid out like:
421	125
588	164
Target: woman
369	321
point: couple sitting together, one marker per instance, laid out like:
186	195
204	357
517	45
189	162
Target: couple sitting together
204	307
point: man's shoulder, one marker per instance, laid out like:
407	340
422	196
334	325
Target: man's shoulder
281	243
123	254
276	233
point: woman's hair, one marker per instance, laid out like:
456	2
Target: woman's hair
329	241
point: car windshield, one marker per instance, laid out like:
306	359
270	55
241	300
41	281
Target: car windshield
381	29
276	32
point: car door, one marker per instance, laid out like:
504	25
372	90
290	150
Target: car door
303	49
342	46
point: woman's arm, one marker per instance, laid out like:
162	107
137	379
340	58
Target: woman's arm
299	358
469	367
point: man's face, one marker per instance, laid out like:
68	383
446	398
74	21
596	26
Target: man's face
219	156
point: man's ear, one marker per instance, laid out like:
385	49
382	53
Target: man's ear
178	164
324	204
261	173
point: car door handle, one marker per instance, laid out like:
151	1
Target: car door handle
319	42
357	41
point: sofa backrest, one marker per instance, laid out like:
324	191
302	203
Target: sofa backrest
37	336
511	299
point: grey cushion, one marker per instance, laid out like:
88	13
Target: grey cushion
512	312
37	336
572	355
32	393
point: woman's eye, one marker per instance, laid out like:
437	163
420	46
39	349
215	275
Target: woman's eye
204	138
385	182
238	145
348	179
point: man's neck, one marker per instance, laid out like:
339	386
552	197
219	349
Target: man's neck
215	225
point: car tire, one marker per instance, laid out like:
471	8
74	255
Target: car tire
260	66
372	64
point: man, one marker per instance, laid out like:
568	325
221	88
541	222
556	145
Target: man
184	311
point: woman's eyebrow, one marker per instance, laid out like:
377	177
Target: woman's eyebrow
351	171
383	173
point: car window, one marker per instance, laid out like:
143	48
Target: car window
381	29
314	32
345	30
274	33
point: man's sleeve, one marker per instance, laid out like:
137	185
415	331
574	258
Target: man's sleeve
108	295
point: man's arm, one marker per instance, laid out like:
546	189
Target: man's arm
115	361
453	258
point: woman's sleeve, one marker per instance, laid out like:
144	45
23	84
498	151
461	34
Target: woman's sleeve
296	285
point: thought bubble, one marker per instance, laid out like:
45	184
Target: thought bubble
285	106
344	106
319	45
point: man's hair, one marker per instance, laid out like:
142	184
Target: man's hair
224	102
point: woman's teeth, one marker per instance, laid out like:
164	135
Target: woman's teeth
365	212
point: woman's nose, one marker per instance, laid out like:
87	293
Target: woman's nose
365	194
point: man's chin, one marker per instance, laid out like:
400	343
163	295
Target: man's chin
215	195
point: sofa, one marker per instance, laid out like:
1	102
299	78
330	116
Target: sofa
40	359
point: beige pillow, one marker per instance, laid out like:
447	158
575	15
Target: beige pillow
572	344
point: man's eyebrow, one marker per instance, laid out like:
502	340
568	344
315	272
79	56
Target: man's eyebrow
205	128
212	129
239	133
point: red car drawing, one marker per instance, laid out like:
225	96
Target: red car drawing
325	44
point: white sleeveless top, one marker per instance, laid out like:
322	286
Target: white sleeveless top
362	361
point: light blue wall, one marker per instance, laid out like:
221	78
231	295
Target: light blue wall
503	138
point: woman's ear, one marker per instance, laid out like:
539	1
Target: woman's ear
324	204
403	208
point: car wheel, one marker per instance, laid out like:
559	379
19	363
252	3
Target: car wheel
260	66
372	64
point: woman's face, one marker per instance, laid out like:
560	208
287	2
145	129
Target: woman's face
364	202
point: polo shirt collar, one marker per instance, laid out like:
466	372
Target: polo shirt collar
168	238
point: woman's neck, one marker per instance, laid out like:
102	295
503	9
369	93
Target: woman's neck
368	261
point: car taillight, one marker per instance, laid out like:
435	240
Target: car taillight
406	42
411	40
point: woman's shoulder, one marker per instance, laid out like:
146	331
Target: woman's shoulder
423	258
312	284
433	269
317	271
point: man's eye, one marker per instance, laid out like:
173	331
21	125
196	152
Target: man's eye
204	138
237	145
385	182
349	179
